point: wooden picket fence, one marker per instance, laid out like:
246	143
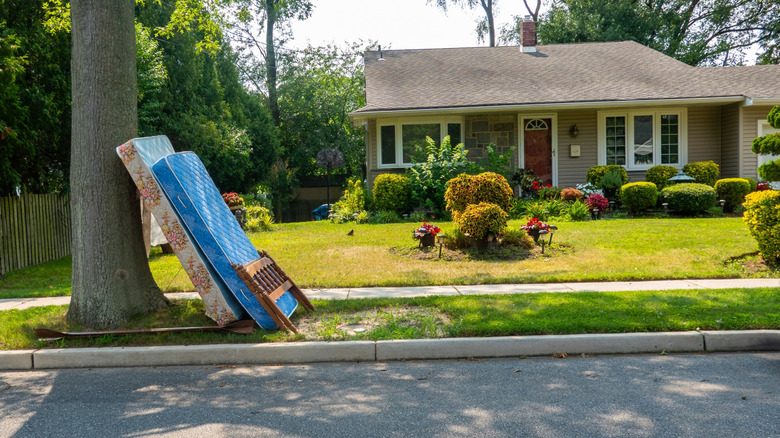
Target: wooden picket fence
33	229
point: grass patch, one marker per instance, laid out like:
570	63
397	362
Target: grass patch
49	279
323	255
433	317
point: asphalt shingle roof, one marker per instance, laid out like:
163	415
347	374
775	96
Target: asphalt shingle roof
562	73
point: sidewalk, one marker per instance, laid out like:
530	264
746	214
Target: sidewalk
484	289
420	349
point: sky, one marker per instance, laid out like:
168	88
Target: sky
396	24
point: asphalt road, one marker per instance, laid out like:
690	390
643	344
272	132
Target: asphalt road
689	395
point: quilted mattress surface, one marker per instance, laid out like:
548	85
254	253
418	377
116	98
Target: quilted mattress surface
204	213
138	156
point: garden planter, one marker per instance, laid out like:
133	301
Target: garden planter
240	214
534	234
427	240
483	244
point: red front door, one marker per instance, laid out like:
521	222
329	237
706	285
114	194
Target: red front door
537	135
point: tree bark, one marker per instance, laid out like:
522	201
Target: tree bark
111	276
270	61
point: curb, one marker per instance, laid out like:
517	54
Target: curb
372	351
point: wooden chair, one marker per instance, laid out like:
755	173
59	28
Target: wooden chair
268	282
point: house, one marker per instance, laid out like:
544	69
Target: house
566	107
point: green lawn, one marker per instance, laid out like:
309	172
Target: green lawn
433	317
321	254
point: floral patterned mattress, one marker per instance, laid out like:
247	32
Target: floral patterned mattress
138	156
202	211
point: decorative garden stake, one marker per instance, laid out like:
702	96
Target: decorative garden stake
330	158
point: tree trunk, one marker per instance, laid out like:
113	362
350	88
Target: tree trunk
488	7
270	61
111	276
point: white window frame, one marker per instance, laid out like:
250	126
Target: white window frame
398	124
681	113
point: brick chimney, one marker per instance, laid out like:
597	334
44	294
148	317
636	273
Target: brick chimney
528	35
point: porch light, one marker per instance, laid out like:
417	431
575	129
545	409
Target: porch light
574	131
681	177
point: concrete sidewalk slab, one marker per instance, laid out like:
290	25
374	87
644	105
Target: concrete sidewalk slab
16	360
326	294
26	303
630	286
743	340
490	289
238	354
745	283
400	292
457	348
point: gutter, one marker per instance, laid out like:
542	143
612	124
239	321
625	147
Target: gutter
358	117
749	101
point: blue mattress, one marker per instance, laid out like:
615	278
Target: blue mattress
213	227
151	150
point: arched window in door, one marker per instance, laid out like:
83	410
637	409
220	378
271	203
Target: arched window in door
536	125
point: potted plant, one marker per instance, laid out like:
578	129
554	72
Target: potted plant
534	227
426	234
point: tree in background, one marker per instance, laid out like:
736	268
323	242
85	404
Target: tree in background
486	26
320	86
702	32
204	106
34	101
261	27
111	276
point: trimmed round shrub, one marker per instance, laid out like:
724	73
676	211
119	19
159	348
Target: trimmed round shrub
689	198
392	193
639	196
762	217
733	191
705	172
596	173
659	175
489	187
753	184
770	171
477	220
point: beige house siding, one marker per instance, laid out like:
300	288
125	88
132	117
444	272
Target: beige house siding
572	170
722	134
704	134
750	117
729	146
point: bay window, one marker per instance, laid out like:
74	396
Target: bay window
639	139
398	138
